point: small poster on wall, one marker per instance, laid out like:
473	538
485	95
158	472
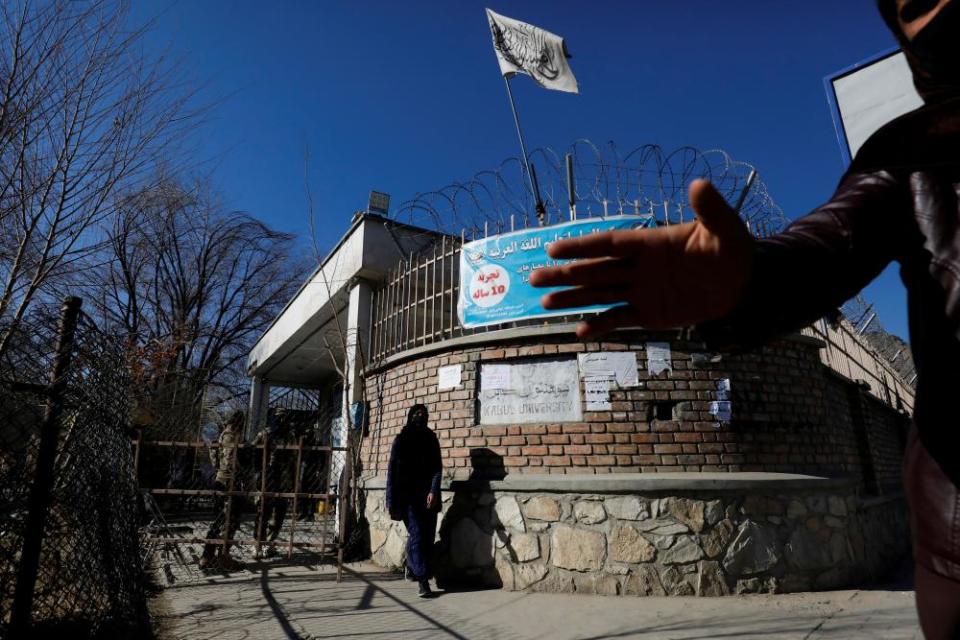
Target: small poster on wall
449	377
721	410
658	358
619	366
597	391
723	389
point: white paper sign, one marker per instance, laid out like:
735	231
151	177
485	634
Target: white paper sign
721	410
616	365
449	377
723	389
597	391
658	357
495	376
530	393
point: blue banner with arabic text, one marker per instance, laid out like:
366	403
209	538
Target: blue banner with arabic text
495	271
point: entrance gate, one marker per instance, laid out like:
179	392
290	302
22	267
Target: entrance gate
283	494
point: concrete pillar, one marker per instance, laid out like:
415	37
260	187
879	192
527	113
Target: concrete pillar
259	403
358	330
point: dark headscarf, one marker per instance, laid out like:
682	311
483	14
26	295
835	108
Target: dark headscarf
934	53
416	441
416	418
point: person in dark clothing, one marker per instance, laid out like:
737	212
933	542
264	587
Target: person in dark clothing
279	472
413	491
897	201
312	469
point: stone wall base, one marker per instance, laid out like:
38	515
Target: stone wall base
647	536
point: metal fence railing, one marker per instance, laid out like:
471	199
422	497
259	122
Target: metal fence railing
417	303
217	501
279	498
69	550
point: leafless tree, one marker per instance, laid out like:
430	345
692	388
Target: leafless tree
84	115
192	285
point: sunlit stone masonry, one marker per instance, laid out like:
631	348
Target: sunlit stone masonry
654	535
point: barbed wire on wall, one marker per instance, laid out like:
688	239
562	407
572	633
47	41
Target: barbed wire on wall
866	321
647	180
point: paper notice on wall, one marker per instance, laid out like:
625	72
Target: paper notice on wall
597	391
449	377
658	357
723	389
530	392
721	410
495	376
620	366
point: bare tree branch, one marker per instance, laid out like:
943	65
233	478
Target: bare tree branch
192	285
84	115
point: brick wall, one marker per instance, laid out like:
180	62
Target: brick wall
790	414
886	433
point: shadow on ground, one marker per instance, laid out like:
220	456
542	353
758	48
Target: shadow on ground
306	603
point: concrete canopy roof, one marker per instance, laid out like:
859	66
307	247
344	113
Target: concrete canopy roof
301	344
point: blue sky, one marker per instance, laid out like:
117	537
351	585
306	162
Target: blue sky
406	97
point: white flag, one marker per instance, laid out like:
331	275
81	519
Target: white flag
524	48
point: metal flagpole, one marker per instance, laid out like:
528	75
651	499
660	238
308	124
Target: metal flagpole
541	211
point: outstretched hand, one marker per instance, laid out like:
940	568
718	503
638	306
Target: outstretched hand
668	277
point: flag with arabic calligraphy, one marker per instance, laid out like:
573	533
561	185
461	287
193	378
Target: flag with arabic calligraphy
524	48
495	271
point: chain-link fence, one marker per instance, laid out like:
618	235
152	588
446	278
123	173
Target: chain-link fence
224	499
69	547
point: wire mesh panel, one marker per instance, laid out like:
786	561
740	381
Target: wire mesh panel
70	560
25	365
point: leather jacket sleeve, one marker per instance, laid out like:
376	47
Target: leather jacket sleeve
818	262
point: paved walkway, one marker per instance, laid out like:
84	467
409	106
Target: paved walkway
298	602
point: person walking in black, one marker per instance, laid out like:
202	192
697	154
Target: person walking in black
413	491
